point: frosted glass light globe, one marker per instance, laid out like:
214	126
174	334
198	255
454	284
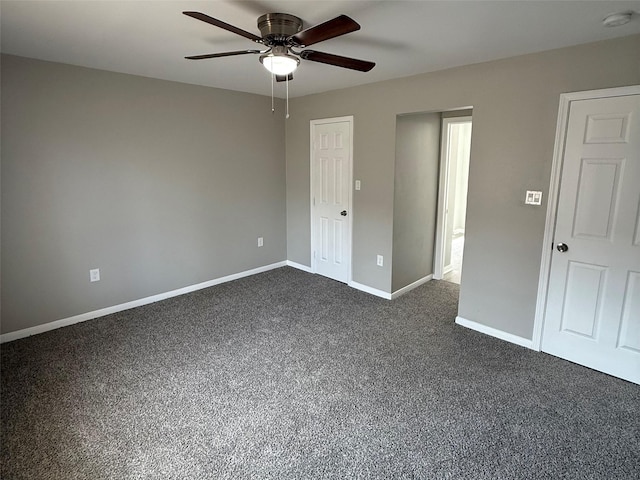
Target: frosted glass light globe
280	64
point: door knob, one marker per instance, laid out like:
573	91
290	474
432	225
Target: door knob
343	213
562	247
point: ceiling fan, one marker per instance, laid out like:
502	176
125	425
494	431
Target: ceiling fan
282	34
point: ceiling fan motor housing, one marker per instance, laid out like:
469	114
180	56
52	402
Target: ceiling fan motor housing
277	27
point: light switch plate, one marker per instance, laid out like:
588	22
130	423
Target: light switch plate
533	198
357	184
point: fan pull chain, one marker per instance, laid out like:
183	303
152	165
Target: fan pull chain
287	115
272	107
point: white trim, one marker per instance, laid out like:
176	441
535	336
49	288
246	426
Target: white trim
443	188
312	124
411	286
439	270
371	290
554	190
549	226
478	327
26	332
299	266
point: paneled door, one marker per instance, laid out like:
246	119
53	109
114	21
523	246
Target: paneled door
330	198
592	315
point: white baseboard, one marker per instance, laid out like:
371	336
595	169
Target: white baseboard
508	337
299	266
411	286
371	290
26	332
352	284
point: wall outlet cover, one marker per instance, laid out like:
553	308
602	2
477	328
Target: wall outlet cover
94	275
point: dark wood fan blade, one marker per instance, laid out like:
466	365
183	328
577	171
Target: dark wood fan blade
337	60
221	54
324	31
282	78
221	24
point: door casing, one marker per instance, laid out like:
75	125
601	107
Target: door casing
554	190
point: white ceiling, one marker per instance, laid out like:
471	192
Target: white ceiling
151	38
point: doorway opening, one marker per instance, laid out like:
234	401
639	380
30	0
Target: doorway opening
455	149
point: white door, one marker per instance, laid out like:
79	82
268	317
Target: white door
593	302
331	199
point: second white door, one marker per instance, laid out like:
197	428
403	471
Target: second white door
331	198
593	303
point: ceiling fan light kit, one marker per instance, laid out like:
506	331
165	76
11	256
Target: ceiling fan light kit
279	62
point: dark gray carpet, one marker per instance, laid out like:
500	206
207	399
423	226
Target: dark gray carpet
290	375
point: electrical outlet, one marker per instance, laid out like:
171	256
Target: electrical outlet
94	275
358	185
260	241
380	260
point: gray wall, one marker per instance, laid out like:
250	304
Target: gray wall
161	185
515	104
415	197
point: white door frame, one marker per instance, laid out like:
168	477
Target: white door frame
554	191
312	125
443	194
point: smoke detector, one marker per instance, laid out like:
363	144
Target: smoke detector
617	19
